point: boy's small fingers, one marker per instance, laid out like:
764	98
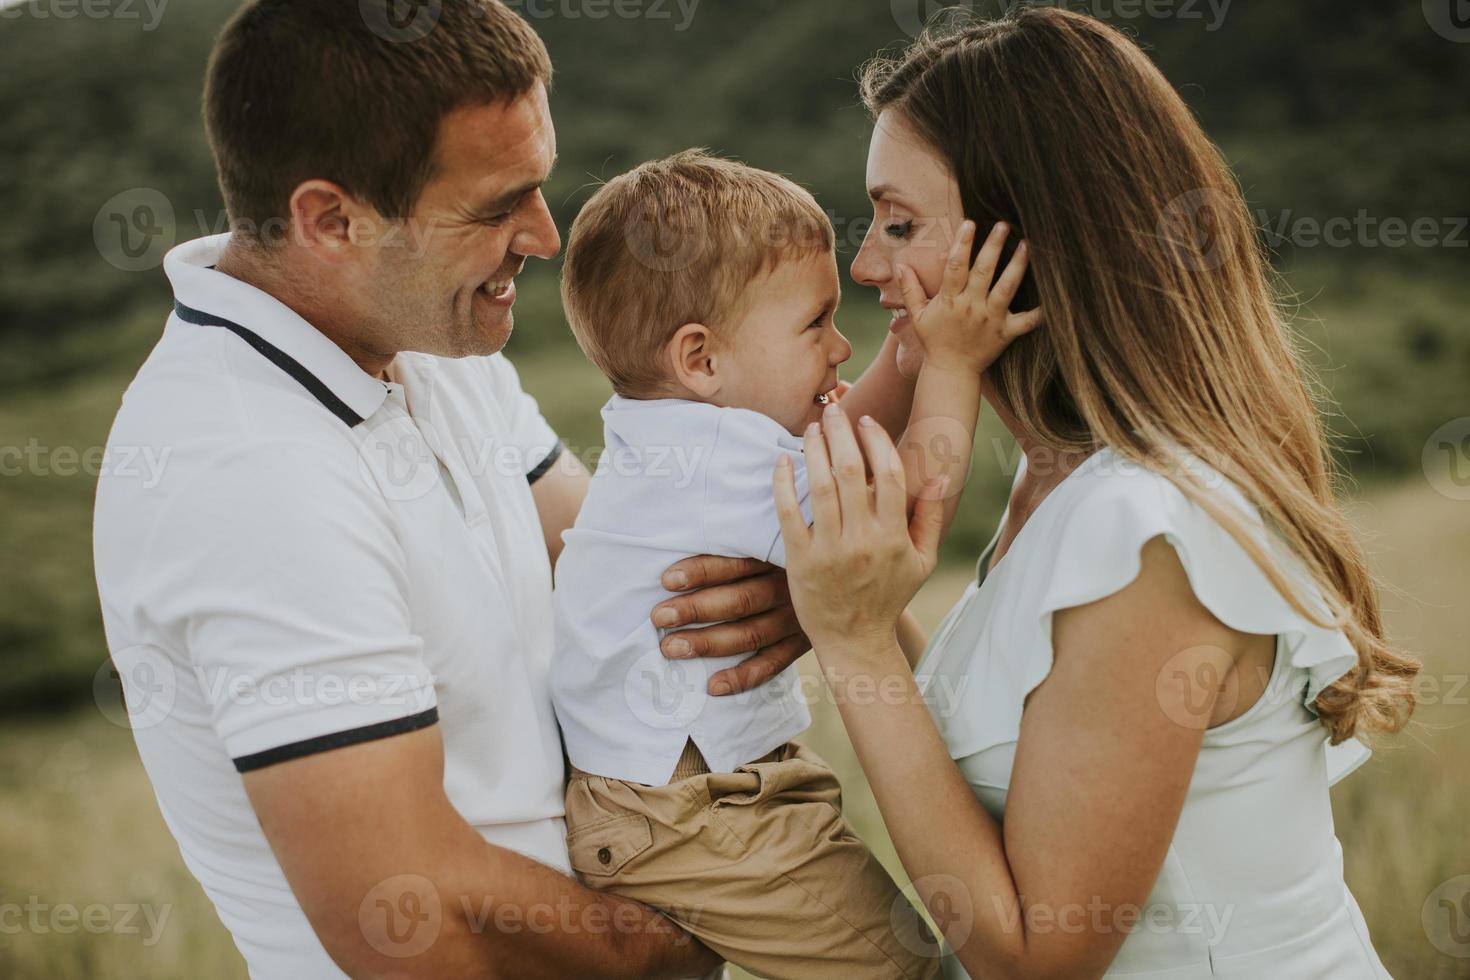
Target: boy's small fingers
912	292
983	271
955	272
1020	324
1010	280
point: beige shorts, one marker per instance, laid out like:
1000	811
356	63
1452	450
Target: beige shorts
758	863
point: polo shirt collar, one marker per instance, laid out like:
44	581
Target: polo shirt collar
199	286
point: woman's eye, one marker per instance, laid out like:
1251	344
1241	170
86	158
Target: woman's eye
898	229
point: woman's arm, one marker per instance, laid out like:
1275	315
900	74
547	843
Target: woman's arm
911	638
1106	749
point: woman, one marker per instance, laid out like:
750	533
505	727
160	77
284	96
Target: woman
1174	620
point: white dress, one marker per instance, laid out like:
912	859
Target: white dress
1252	885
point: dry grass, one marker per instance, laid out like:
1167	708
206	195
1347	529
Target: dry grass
78	823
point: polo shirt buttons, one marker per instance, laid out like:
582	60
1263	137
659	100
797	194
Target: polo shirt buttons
604	855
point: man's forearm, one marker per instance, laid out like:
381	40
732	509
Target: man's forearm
882	392
511	917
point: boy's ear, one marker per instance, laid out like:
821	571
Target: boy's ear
690	353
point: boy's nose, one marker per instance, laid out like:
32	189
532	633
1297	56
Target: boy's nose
842	350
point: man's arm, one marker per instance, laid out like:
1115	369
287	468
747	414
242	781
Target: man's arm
559	493
396	883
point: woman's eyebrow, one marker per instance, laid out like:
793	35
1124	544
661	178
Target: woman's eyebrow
880	191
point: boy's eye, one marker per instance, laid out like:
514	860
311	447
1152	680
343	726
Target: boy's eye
898	229
817	322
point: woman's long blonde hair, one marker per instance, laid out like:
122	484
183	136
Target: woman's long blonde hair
1162	327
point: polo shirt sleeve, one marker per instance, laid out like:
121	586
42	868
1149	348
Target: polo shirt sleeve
535	442
280	575
740	516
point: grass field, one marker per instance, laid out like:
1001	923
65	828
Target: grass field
79	826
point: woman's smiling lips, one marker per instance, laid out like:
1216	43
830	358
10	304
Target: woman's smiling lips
900	318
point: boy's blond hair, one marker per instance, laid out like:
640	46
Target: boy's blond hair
677	241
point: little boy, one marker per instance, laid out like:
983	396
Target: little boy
705	290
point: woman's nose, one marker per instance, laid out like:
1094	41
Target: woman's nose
869	267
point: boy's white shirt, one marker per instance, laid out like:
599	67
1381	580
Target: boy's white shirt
678	478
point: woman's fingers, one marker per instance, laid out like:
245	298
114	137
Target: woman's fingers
847	465
926	529
788	510
983	271
888	475
822	486
1009	282
956	267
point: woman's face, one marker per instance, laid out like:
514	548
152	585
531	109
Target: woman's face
916	214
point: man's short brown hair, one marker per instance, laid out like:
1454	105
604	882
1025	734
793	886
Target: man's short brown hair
677	241
341	91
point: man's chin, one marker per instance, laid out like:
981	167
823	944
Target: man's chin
489	334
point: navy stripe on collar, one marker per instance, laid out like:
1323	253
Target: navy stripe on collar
278	357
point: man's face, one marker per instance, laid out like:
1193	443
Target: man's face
447	286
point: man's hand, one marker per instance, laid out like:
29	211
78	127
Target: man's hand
748	601
370	826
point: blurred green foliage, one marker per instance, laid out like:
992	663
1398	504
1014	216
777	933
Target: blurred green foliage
1325	108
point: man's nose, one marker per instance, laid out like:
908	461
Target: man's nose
538	236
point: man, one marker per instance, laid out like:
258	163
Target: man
332	615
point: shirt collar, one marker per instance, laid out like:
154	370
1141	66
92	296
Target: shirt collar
198	285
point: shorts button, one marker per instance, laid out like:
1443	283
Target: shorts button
604	855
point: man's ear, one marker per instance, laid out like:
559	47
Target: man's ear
329	222
691	360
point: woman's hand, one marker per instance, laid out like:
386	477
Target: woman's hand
968	322
852	573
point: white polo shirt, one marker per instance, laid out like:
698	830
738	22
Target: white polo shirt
678	478
322	559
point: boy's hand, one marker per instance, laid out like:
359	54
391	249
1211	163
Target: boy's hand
751	607
969	322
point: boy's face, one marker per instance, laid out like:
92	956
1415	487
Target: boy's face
782	354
